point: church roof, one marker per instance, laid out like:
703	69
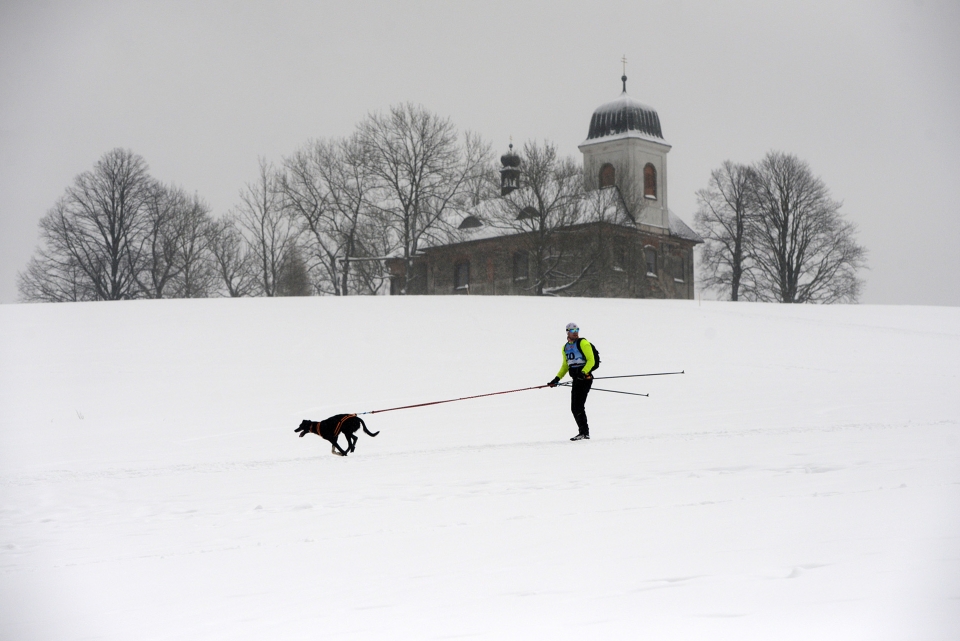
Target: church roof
482	223
680	229
624	115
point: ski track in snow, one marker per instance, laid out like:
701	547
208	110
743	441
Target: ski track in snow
800	481
67	475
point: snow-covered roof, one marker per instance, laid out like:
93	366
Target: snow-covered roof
482	213
681	229
485	231
605	201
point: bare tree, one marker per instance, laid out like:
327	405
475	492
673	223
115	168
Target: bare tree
802	250
271	232
158	241
196	276
484	183
328	188
423	173
547	205
233	261
91	248
293	279
367	271
50	278
721	219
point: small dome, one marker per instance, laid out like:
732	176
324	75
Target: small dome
622	115
510	159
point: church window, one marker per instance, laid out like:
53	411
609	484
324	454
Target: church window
528	212
650	181
521	265
651	256
680	271
461	275
607	176
619	254
417	283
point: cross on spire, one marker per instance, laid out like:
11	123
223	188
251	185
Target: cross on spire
624	76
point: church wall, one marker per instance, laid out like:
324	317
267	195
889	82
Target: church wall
618	271
491	268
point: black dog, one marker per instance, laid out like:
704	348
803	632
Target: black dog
331	428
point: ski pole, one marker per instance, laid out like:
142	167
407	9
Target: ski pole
451	400
612	391
600	378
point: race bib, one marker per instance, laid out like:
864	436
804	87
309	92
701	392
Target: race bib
575	357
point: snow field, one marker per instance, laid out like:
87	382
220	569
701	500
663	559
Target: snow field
801	480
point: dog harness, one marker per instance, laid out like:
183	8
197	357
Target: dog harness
336	431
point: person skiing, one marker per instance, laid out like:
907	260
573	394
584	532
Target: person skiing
579	360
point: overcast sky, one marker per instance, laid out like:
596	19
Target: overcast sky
868	93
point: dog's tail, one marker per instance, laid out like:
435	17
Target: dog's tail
364	426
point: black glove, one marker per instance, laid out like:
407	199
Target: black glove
553	383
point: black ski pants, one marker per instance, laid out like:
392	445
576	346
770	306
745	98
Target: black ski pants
578	402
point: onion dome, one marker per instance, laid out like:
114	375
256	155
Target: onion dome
510	159
624	115
510	172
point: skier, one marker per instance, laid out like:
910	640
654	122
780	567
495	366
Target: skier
579	360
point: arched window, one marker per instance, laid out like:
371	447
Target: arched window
619	253
521	265
650	254
417	281
528	212
650	181
608	176
461	275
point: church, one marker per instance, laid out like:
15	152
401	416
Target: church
615	237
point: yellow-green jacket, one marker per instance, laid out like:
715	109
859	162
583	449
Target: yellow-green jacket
586	349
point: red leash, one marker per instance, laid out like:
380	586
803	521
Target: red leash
452	400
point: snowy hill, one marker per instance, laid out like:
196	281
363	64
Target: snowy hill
800	481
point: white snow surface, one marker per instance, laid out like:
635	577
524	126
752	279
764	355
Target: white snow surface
800	481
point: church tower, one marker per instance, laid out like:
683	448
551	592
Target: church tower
625	148
510	172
